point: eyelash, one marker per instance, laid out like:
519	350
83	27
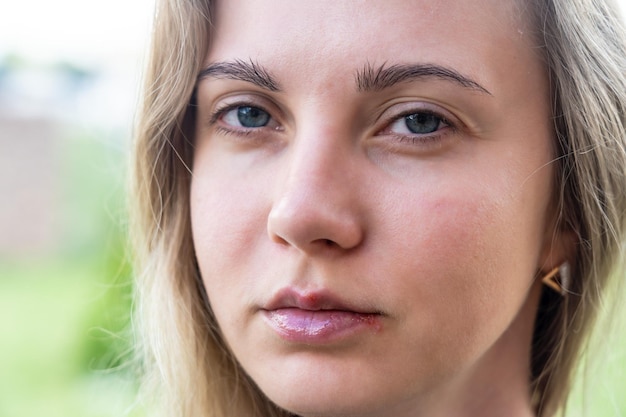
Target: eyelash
444	127
412	138
220	112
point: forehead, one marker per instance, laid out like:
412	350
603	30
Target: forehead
357	27
326	40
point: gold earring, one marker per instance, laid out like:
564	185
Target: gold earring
558	279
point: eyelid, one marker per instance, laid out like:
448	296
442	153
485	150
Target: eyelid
422	143
221	110
230	103
403	109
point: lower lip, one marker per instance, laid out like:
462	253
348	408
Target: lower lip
319	326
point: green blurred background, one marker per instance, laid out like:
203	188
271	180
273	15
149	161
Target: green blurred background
69	79
64	349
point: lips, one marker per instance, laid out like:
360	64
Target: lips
317	318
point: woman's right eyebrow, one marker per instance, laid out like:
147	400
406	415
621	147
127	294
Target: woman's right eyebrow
240	70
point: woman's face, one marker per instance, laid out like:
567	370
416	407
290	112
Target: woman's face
370	200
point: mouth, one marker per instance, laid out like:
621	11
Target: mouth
318	318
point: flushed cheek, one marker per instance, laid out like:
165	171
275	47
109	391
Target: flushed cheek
461	267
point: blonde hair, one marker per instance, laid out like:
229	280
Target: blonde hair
187	366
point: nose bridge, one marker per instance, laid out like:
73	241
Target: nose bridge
317	159
316	200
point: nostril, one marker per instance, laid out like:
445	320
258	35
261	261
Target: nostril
295	222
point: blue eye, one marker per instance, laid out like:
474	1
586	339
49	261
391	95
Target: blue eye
422	123
246	116
417	125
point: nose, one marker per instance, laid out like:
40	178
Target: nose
317	205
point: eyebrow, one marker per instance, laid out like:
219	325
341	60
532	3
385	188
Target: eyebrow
242	71
367	79
383	77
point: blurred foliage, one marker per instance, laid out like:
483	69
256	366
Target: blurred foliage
13	62
64	317
96	234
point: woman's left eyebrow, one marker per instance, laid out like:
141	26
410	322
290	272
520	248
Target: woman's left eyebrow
383	77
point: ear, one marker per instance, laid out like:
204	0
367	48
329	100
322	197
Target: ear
559	246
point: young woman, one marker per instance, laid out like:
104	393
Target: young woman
362	208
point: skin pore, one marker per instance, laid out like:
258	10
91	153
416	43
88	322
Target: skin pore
370	202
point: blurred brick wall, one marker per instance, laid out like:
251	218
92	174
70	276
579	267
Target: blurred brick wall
29	187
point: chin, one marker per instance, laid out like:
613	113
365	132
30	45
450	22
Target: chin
314	406
334	394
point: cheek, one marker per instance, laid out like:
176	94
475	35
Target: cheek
227	207
229	227
468	229
466	259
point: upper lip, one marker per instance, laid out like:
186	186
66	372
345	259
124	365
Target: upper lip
312	301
